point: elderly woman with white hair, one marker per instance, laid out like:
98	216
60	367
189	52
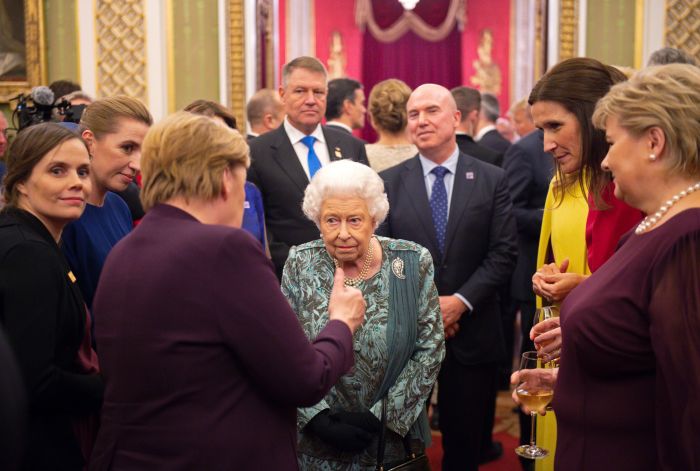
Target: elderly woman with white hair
398	350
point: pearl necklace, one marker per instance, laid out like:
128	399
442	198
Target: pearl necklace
354	281
649	221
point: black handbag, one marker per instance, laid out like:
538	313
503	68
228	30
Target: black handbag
413	461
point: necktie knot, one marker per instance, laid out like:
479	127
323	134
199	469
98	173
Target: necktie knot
439	172
308	141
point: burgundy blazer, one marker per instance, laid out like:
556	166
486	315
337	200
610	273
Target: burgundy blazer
204	361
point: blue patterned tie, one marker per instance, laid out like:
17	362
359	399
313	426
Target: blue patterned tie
438	205
312	158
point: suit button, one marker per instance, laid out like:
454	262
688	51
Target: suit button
444	267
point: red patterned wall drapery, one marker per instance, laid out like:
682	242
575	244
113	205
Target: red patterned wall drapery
409	56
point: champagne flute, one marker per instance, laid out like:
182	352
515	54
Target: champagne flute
536	396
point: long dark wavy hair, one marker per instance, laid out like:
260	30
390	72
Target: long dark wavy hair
577	84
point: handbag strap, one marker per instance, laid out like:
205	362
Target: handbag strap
381	446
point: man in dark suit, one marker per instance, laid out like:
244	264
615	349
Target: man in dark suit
284	160
346	105
264	111
469	105
529	169
459	209
487	134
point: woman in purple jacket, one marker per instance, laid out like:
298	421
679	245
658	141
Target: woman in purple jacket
206	363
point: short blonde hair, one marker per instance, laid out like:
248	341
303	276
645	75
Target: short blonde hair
667	97
345	178
102	116
387	105
186	155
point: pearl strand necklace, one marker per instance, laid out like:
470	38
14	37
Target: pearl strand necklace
354	281
649	221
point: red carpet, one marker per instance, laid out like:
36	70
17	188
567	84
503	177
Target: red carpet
506	429
507	462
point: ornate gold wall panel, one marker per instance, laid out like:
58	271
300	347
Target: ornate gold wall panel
62	48
193	52
683	26
236	54
568	21
612	30
121	48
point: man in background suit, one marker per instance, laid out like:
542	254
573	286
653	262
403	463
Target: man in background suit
469	105
529	169
284	160
346	105
264	111
459	209
487	135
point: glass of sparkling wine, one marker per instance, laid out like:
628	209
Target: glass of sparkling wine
535	395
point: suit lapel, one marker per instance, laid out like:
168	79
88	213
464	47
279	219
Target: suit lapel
286	157
462	188
414	186
334	149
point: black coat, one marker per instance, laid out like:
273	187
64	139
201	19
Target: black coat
493	140
276	171
467	145
43	314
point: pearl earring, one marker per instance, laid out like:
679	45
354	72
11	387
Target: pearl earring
652	157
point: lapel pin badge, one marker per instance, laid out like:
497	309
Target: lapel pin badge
337	153
470	175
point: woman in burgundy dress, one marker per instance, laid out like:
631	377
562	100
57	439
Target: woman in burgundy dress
626	395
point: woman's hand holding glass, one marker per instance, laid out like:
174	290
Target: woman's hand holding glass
534	391
546	333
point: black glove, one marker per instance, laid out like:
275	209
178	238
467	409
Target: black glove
364	420
342	436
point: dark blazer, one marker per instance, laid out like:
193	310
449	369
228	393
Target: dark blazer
206	363
339	128
467	145
493	140
276	171
480	245
13	408
43	314
529	169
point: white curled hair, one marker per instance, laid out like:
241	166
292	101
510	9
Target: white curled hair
345	178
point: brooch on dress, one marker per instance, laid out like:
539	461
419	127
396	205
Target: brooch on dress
397	268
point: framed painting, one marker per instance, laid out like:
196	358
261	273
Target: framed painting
22	61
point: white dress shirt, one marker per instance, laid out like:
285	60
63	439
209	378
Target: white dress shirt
320	147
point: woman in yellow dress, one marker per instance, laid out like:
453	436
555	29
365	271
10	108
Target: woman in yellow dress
582	220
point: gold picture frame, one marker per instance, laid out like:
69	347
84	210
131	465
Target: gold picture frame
34	54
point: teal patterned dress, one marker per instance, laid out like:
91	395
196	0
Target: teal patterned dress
307	283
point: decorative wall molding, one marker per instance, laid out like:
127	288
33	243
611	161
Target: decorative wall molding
683	26
121	48
300	29
409	21
236	65
568	27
